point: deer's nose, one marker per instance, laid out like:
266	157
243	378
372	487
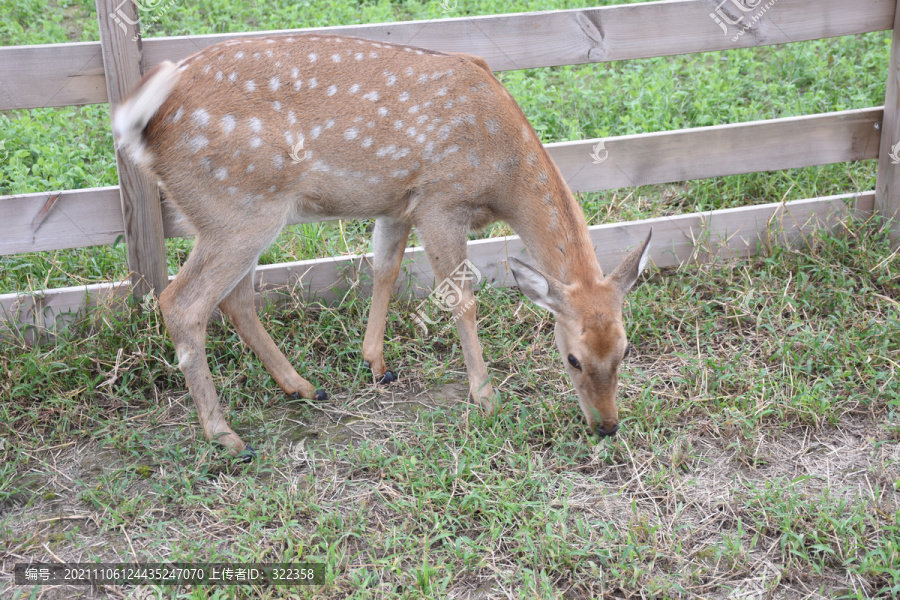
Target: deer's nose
600	431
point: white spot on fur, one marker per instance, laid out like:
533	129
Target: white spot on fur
200	118
351	134
255	142
313	57
385	150
404	96
254	124
250	86
292	117
354	88
228	124
183	359
219	76
400	173
221	173
197	143
367	142
298	84
313	83
232	77
316	131
359	56
239	55
250	168
382	111
274	83
329	123
373	96
278	161
276	105
295	73
413	109
492	126
336	57
332	90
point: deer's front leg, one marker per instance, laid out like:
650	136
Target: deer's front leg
444	238
389	242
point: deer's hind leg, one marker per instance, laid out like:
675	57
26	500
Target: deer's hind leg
214	268
241	310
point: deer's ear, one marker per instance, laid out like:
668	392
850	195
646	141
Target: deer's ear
541	289
631	267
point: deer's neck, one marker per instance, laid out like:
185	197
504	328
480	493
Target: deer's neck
552	225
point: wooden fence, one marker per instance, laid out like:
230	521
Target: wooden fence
95	72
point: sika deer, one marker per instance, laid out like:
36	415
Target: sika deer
401	135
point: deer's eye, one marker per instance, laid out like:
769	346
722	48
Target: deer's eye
627	351
574	362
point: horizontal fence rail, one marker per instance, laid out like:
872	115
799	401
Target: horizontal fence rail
73	74
93	217
681	239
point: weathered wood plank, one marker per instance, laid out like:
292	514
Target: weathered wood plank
79	218
514	41
887	184
141	214
86	217
681	239
51	75
702	152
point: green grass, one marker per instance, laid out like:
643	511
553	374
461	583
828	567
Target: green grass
760	441
759	445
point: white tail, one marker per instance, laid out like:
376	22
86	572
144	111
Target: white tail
398	134
132	116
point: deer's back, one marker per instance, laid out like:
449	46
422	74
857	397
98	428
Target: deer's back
342	126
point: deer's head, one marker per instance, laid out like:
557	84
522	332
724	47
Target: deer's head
589	332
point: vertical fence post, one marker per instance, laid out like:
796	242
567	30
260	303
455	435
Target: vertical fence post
122	62
887	185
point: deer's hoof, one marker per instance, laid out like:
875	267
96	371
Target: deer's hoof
247	456
388	377
321	395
